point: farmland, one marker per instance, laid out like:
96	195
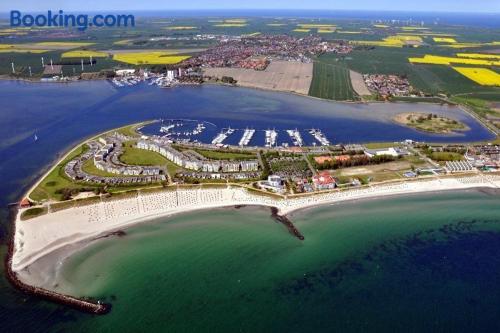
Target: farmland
482	76
83	54
331	81
149	58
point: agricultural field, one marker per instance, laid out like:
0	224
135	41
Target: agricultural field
83	54
331	81
149	58
482	76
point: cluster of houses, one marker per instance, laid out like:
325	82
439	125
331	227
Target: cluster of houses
388	85
484	157
194	163
104	154
320	182
253	52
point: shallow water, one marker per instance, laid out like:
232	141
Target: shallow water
377	264
193	278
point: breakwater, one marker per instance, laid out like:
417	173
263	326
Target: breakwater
85	305
287	223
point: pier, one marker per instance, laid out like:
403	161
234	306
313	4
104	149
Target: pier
271	136
296	137
318	135
247	136
222	136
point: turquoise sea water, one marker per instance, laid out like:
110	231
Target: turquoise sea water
417	263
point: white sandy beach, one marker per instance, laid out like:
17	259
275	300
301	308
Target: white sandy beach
40	236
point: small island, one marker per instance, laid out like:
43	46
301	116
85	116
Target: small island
430	122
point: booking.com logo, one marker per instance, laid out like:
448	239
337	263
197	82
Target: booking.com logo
60	19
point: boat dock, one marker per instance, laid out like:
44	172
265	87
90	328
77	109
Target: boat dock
247	136
296	137
222	136
271	136
318	135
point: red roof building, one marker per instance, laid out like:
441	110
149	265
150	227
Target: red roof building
25	203
324	181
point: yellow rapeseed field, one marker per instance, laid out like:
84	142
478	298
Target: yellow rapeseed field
83	54
482	76
414	28
381	26
150	58
181	28
19	48
23	51
444	40
349	32
391	41
315	26
123	42
302	30
236	21
229	25
478	55
325	31
66	44
252	34
441	60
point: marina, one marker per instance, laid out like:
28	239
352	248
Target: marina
247	136
222	136
296	137
318	135
271	136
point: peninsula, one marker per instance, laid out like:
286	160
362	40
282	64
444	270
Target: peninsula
124	177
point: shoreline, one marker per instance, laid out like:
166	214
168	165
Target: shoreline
118	214
45	237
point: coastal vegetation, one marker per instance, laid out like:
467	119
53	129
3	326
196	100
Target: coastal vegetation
33	212
432	123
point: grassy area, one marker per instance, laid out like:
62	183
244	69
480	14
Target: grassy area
56	181
430	122
331	82
226	155
130	130
136	156
446	156
33	212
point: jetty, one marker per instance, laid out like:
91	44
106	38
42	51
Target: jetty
271	136
318	135
222	136
296	137
247	136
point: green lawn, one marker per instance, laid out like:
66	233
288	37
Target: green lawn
331	81
226	155
56	180
136	156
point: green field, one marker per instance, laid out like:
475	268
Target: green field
331	81
56	181
225	155
136	156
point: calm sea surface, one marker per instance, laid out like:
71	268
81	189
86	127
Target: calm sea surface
427	262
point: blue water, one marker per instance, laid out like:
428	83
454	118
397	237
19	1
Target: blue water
64	114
